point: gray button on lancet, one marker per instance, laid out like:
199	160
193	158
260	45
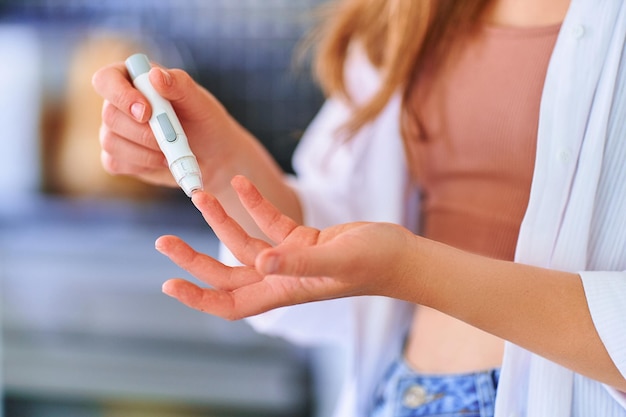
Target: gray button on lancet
166	127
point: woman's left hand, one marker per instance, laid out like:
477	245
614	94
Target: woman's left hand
306	264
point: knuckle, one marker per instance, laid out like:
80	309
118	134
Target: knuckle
112	83
147	138
153	161
97	79
233	316
125	98
108	112
181	77
107	143
108	163
188	259
181	82
299	266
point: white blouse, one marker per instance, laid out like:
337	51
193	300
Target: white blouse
576	220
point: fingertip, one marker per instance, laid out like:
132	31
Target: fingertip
160	78
248	193
166	77
184	291
102	75
163	243
168	288
237	179
95	79
240	182
178	288
202	200
197	196
112	82
159	243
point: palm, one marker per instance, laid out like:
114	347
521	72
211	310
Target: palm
253	287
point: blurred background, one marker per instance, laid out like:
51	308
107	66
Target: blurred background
86	331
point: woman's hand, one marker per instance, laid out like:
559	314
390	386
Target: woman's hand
128	145
306	264
544	311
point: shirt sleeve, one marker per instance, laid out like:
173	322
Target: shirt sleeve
606	297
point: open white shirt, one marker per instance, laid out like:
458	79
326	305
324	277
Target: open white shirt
576	220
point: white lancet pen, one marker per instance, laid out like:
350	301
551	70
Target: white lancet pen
166	128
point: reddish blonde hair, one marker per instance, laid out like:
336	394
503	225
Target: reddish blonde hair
398	36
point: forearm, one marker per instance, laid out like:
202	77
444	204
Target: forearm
250	158
542	310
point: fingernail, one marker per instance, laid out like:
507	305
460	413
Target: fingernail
137	110
167	78
158	245
271	264
165	289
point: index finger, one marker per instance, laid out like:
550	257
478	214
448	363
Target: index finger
243	246
113	84
276	225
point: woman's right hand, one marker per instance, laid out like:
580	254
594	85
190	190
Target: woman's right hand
128	145
222	146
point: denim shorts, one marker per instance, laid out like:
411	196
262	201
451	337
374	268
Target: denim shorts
404	392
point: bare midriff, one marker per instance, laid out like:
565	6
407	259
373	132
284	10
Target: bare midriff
474	162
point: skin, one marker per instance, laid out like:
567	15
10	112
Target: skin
285	263
544	311
523	13
128	146
452	346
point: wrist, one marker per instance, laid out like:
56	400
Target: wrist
405	265
427	267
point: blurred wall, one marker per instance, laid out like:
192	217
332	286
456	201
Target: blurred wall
241	50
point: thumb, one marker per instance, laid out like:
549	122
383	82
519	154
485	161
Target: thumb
180	89
162	81
311	261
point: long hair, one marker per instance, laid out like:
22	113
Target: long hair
399	36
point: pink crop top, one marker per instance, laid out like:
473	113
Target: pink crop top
479	118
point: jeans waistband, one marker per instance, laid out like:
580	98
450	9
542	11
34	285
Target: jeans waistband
404	392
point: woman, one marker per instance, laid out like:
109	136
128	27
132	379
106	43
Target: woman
351	166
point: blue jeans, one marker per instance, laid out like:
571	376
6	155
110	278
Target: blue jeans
406	393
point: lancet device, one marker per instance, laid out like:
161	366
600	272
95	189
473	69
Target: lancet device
166	128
